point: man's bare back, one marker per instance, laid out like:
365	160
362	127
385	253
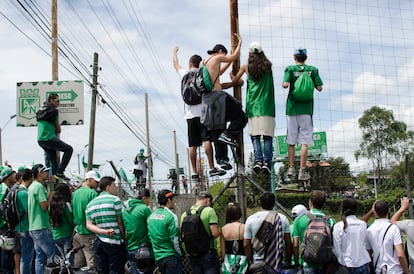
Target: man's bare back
214	61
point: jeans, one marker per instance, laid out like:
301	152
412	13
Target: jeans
51	147
43	246
205	264
109	258
26	256
170	265
363	269
267	156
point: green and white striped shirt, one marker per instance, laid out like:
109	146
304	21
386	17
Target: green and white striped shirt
103	212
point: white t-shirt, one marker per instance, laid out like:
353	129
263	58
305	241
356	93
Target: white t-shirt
384	250
254	222
349	246
193	111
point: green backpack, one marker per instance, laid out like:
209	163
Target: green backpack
303	87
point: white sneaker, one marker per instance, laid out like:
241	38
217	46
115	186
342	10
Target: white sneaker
291	172
303	175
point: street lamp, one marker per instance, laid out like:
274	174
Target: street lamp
1	129
79	154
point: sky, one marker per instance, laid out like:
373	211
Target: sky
363	50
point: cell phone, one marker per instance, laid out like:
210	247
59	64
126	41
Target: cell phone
411	200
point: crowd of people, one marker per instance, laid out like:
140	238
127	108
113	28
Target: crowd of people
116	233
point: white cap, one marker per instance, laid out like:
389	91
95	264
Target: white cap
255	47
298	210
92	174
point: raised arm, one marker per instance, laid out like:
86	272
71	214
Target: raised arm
177	66
405	203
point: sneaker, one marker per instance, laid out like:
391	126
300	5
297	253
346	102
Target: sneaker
216	172
257	167
303	175
291	172
224	138
224	164
266	169
61	176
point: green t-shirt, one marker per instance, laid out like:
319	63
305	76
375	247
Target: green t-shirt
80	199
23	225
135	217
292	73
164	233
65	229
208	217
4	190
299	227
38	218
104	211
260	97
46	130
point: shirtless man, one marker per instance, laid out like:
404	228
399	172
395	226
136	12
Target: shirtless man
230	108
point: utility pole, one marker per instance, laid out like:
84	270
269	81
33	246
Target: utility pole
234	28
93	110
407	184
54	42
149	175
177	168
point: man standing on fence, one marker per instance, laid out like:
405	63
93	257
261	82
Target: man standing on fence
299	112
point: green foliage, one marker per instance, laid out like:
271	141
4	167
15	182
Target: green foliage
384	140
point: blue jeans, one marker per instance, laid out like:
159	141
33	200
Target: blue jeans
363	269
205	264
43	246
267	156
26	256
170	265
109	258
51	147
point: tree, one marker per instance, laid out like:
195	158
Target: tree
384	140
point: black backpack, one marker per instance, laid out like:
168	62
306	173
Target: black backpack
9	208
195	238
189	90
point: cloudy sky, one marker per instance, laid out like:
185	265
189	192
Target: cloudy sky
364	51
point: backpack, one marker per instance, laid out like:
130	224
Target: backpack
195	237
9	208
46	113
303	87
317	241
269	242
189	91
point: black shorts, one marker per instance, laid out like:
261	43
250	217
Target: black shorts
197	133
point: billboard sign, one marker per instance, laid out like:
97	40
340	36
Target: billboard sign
31	95
319	145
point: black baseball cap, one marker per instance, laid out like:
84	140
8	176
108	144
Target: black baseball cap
217	48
